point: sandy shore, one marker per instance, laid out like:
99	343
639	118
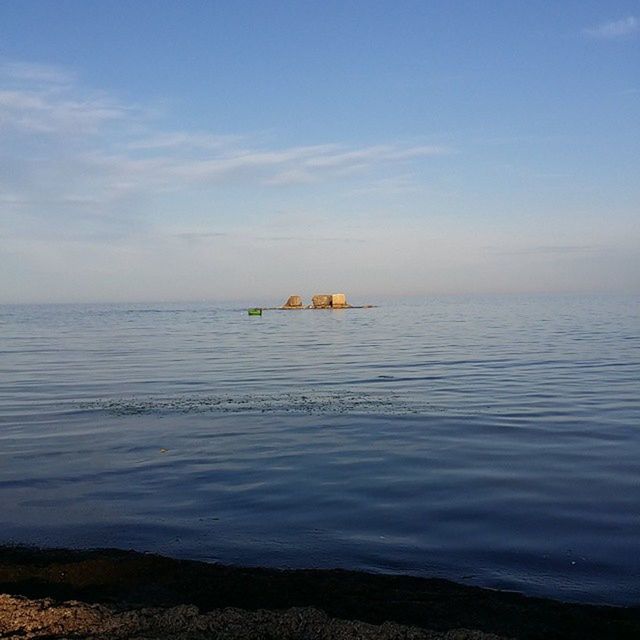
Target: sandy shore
117	594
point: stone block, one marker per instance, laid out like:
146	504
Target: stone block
338	300
321	301
293	302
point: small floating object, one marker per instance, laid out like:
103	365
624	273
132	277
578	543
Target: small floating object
255	311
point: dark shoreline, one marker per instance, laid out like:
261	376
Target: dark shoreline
130	579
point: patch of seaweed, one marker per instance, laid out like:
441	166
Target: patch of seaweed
303	403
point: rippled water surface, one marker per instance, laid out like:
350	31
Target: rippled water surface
490	440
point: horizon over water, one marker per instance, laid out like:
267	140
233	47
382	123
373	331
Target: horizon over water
492	440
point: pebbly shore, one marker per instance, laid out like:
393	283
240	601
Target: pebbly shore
55	593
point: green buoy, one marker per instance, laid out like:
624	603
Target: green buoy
255	311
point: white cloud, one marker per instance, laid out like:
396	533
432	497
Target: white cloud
293	165
184	140
80	168
290	177
19	72
547	250
389	186
43	111
64	146
614	29
43	99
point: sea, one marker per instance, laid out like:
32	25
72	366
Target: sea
491	440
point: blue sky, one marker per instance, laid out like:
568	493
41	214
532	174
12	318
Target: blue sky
222	150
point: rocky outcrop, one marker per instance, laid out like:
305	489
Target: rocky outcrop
47	619
338	301
321	301
293	302
139	595
329	301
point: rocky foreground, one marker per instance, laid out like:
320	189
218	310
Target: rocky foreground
24	618
116	594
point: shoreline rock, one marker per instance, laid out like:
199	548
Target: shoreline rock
126	580
33	619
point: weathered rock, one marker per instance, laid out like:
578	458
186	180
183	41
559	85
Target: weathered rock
330	301
166	596
293	302
339	301
46	619
321	301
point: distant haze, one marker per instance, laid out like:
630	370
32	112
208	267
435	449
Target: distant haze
243	150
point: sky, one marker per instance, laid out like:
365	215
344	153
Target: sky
203	150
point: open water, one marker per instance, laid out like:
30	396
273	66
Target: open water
494	441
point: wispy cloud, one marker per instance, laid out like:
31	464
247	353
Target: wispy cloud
43	99
184	140
39	112
298	165
76	163
18	71
614	29
543	250
290	177
389	186
309	239
193	237
200	236
65	147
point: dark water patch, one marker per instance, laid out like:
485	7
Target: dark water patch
312	402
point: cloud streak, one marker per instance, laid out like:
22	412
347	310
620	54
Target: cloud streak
77	163
614	29
64	147
548	250
40	112
19	72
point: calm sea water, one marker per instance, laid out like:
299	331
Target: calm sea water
494	440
